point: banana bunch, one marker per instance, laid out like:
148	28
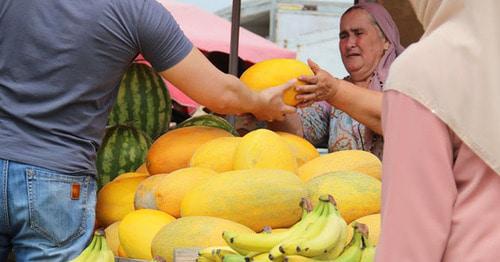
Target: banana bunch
96	251
359	249
319	234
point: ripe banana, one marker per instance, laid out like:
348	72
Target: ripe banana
96	251
263	242
216	253
329	234
288	246
336	250
354	250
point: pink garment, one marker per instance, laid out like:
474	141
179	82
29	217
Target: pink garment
439	199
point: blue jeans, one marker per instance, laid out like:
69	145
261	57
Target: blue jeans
44	215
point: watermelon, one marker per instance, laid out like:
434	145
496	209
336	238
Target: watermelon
123	149
143	101
211	121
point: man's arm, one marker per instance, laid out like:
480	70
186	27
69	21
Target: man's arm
224	93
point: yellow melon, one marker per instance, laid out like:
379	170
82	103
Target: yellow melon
130	174
252	197
216	154
373	224
263	148
115	200
357	195
145	194
143	168
194	231
174	149
274	72
111	234
303	150
173	187
349	160
121	252
137	230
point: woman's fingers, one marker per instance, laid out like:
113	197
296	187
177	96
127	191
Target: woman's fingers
306	88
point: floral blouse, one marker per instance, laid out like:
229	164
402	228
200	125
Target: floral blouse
325	126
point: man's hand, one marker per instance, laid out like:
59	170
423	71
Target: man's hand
272	107
320	87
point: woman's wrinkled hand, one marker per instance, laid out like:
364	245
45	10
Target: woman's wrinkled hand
274	108
322	86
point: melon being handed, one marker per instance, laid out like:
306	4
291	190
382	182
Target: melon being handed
274	72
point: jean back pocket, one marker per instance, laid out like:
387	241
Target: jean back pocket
59	203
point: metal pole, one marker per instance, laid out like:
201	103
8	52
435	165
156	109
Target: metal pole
272	21
235	33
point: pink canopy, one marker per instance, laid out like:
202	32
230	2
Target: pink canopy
209	33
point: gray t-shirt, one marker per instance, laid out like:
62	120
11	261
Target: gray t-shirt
61	63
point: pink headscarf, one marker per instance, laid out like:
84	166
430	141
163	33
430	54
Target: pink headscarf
391	32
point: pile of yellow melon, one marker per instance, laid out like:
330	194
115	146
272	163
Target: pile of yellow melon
199	181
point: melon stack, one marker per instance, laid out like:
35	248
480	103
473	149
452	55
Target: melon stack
201	179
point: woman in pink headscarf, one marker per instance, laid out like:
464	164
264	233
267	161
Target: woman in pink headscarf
441	121
348	116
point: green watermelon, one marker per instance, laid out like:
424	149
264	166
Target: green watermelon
211	121
143	101
123	149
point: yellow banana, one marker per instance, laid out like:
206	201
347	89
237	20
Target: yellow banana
216	253
336	250
354	250
263	242
204	259
86	252
288	246
299	258
329	234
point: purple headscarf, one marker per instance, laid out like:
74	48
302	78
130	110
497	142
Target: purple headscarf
391	32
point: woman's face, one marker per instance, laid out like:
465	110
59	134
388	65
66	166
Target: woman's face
361	44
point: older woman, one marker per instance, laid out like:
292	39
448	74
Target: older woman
349	115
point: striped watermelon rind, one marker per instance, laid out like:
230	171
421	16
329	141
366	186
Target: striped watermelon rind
143	101
123	149
211	121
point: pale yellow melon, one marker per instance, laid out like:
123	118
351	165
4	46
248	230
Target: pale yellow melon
137	230
111	234
252	197
303	150
130	174
173	187
216	154
121	252
143	168
145	194
349	160
373	224
193	231
263	148
115	200
274	72
357	195
174	149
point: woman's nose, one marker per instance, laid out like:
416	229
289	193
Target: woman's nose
351	41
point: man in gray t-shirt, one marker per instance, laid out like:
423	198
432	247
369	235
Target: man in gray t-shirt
60	66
